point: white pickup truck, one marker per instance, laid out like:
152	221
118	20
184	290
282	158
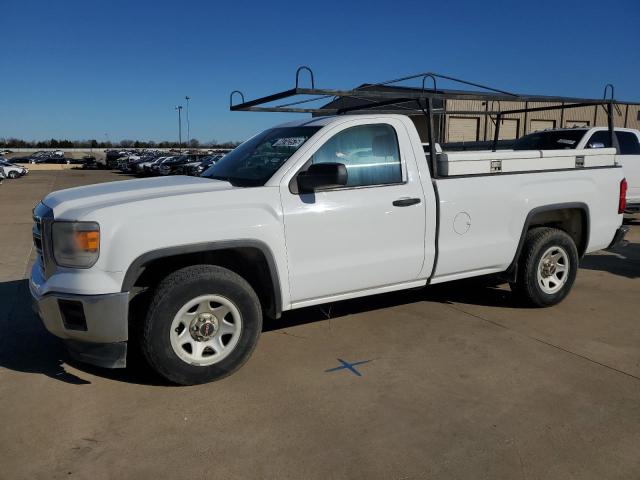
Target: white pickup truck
598	137
306	213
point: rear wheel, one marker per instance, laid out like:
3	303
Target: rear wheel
203	323
547	267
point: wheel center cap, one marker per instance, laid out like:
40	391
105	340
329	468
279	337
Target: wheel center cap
204	327
548	269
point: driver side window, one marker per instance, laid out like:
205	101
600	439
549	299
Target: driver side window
370	153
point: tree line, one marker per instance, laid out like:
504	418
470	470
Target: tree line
56	143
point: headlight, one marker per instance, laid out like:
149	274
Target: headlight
76	244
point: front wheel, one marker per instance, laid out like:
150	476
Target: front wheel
547	267
13	174
203	323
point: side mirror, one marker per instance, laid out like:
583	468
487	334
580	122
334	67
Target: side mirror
322	175
596	145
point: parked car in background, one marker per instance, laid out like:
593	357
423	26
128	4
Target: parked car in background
138	167
182	169
128	160
173	166
11	170
91	164
154	169
195	169
130	165
122	163
146	168
112	156
589	138
170	165
48	157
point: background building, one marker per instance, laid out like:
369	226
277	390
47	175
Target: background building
480	127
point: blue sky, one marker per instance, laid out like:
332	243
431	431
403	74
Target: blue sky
80	69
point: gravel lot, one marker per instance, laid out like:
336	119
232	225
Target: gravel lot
460	384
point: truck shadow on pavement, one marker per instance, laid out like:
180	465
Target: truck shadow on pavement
25	345
487	291
623	260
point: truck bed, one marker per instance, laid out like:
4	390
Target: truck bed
482	217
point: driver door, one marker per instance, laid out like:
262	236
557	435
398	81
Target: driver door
367	234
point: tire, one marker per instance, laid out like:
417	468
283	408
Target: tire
13	174
547	267
196	298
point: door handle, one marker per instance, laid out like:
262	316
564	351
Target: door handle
406	202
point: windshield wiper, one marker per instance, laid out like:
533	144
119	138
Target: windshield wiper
237	181
219	177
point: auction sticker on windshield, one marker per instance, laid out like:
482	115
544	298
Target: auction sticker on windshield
294	142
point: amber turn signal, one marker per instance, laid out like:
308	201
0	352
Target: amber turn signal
88	241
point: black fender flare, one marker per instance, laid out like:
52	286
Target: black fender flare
139	264
583	207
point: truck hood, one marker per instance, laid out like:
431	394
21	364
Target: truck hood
73	203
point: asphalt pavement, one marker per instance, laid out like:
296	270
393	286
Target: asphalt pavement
453	381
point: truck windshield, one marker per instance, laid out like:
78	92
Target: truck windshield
550	140
254	162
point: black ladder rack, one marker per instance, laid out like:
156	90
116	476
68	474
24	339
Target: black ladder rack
409	101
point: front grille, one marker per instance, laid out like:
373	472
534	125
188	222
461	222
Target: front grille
37	239
41	214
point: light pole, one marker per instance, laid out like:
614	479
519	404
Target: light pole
179	109
187	98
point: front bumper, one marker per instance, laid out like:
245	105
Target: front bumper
94	327
618	237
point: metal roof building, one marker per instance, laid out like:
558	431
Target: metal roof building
480	127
